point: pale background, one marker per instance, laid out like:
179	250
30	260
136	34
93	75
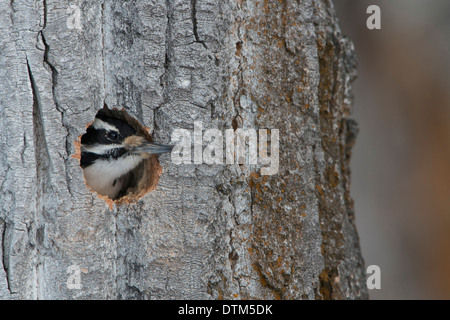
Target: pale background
401	160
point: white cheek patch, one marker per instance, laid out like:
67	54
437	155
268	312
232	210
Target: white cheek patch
100	124
100	148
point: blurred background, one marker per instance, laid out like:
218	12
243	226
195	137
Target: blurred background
401	160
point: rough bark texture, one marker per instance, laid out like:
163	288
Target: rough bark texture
207	231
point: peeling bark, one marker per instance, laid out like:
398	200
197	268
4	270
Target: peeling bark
207	231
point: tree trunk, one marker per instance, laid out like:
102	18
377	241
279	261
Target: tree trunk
208	231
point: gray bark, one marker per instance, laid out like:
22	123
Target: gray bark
207	231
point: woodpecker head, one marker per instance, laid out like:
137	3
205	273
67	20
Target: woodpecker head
110	150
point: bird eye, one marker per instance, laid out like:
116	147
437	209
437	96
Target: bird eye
113	136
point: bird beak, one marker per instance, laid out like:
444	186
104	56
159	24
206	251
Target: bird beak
137	144
154	148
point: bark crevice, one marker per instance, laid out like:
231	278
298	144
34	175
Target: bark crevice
194	24
5	254
54	82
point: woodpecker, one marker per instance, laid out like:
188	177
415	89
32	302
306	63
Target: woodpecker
110	150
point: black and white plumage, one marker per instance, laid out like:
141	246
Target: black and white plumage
110	151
